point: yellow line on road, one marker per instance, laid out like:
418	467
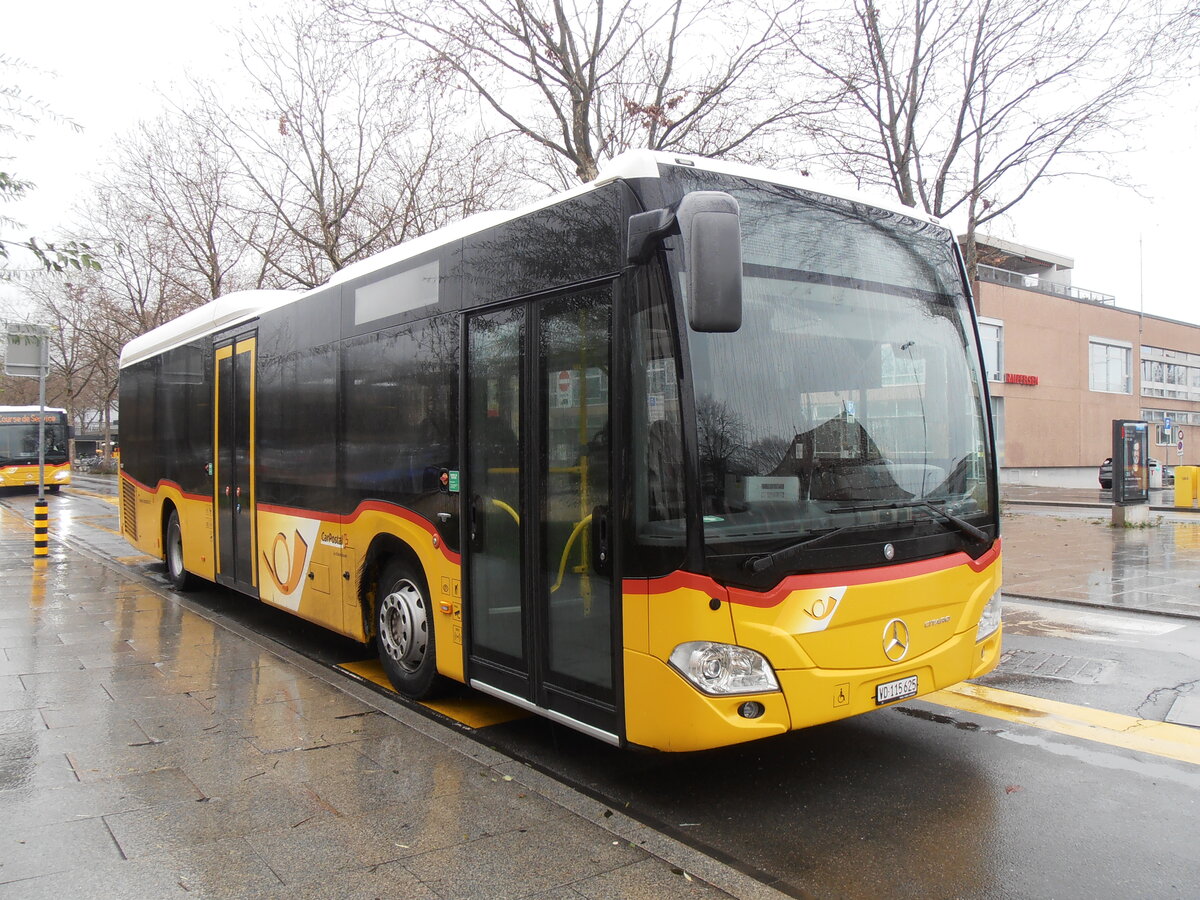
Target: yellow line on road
473	710
107	498
1177	742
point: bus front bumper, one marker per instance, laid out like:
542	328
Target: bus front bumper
668	713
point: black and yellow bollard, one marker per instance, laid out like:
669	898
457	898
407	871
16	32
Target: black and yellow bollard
41	528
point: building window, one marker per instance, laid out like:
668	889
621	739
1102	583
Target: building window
1165	379
991	339
1110	366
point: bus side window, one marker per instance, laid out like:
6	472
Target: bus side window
659	489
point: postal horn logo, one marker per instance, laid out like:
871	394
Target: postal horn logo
285	566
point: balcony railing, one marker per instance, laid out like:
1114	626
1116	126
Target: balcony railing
1033	283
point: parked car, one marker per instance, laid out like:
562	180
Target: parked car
1168	473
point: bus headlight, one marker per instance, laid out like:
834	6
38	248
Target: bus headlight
724	668
990	620
62	475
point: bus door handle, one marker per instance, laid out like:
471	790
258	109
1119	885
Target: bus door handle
601	532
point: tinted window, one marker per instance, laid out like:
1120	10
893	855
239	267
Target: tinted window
297	433
183	393
401	424
141	453
573	241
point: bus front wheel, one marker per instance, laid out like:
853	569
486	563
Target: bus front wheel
181	579
404	630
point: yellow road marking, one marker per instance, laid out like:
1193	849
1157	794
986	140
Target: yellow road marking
478	711
1177	742
107	498
135	560
85	520
368	669
475	711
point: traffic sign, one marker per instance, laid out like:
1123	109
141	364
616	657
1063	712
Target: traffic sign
1180	445
26	355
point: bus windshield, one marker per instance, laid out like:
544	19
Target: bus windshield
19	438
851	396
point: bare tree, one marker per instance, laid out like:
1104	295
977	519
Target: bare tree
338	156
583	81
63	306
964	106
97	313
173	177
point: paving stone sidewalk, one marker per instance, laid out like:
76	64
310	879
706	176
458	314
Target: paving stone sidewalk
148	751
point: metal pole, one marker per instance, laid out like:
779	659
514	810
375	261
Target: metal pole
44	362
41	510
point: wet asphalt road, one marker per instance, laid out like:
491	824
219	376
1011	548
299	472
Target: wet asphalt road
914	801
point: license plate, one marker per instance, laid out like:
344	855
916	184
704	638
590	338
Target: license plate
900	689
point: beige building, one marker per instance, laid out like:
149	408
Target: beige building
1062	363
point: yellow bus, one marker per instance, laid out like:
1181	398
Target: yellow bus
19	429
693	454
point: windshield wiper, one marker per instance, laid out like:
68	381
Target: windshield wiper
758	564
957	521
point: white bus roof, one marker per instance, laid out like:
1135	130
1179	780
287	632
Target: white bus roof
242	306
31	409
211	317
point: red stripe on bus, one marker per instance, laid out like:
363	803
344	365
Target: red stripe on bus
391	509
165	483
689	580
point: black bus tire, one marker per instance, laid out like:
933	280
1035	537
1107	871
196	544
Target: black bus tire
53	488
181	579
404	630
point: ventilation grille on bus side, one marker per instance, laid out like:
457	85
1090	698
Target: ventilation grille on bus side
129	508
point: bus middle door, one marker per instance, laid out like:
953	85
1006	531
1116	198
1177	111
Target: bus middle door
233	466
540	603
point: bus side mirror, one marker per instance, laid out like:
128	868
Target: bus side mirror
710	224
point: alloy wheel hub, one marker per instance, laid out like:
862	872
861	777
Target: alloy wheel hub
404	626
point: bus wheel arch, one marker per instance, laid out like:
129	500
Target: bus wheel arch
172	531
402	621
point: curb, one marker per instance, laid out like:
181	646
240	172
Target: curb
1104	607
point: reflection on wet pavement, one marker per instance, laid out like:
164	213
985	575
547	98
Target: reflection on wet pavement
1083	558
146	751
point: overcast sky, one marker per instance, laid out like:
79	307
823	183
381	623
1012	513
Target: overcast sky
114	61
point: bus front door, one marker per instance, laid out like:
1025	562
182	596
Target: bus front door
541	610
233	470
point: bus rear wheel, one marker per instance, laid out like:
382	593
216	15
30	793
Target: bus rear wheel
181	579
404	631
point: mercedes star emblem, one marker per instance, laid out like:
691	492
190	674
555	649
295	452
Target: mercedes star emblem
895	640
